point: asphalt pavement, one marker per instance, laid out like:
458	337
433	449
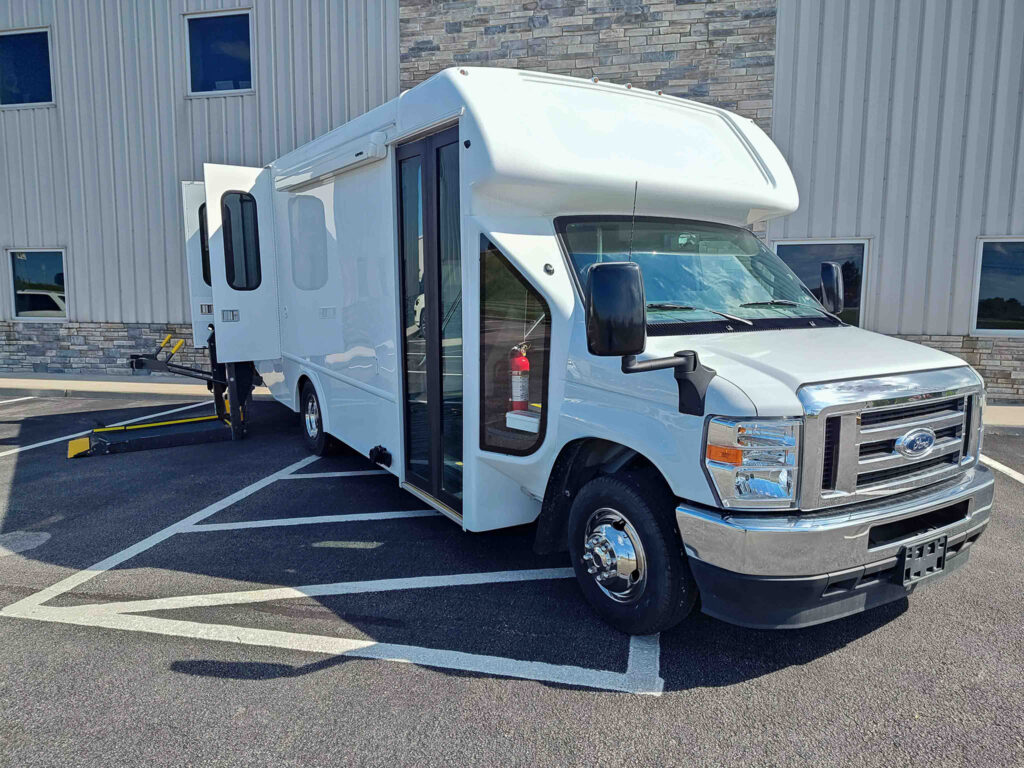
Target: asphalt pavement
186	621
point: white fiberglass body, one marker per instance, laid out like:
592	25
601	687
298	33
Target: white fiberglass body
531	148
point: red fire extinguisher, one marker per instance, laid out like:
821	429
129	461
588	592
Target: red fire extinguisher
519	367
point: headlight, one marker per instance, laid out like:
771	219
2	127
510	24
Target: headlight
754	463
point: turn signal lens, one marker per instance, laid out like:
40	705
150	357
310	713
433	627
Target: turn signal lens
725	455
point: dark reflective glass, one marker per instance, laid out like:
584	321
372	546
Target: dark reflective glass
414	314
204	244
450	262
1001	289
514	321
218	51
241	241
25	69
38	284
806	258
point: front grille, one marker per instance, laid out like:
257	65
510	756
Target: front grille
860	446
888	415
880	476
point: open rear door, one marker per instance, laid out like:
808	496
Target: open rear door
243	264
197	259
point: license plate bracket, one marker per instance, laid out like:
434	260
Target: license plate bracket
922	560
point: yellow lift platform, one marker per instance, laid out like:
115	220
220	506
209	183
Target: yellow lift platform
223	381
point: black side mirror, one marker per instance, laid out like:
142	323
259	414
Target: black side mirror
616	309
832	286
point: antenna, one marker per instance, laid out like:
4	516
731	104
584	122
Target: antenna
632	222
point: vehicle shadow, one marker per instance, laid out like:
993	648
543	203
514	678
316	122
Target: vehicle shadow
703	652
251	670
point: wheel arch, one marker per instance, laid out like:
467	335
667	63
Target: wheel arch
307	377
578	462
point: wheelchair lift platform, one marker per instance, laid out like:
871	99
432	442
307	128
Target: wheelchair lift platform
227	383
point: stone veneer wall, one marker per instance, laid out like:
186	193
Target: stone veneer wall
722	53
88	348
999	359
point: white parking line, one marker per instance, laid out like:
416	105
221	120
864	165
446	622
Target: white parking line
1003	468
77	579
86	432
325	590
355	517
642	670
17	400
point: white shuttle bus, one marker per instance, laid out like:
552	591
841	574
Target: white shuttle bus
535	299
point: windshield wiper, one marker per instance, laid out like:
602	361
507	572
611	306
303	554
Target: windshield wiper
788	303
687	308
771	303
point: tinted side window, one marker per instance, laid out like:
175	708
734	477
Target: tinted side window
241	241
204	244
515	323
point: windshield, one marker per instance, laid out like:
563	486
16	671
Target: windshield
693	271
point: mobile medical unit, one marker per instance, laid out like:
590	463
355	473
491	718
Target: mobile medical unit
536	300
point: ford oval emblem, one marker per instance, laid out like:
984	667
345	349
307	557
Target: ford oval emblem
916	443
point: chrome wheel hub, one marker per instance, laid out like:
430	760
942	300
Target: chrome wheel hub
312	418
614	556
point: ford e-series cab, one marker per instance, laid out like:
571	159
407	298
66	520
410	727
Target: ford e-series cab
538	300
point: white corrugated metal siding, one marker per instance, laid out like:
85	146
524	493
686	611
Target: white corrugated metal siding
902	122
98	173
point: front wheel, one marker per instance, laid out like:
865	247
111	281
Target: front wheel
627	554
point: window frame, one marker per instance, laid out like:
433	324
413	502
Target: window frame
979	249
9	276
189	93
865	273
53	82
486	243
224	239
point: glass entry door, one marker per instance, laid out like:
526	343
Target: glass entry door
431	272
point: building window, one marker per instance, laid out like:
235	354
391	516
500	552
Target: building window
241	241
38	285
218	53
25	68
805	257
515	322
1000	307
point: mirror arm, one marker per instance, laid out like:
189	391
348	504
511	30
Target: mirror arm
692	376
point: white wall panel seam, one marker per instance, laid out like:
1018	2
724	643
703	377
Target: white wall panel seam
997	109
932	266
909	256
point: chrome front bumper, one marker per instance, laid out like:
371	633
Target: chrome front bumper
818	543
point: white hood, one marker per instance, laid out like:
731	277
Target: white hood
770	366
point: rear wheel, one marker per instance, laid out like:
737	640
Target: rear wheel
627	554
318	441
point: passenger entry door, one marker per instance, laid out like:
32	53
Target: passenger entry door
197	260
243	264
429	233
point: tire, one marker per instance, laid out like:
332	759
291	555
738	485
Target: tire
318	441
627	521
